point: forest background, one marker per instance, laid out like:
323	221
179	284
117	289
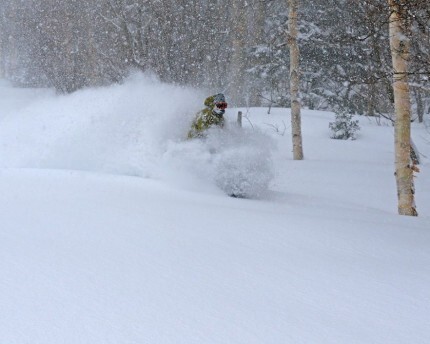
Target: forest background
234	46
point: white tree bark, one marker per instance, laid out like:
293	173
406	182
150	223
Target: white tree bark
259	16
1	58
295	81
399	45
238	60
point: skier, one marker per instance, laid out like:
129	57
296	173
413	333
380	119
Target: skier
212	115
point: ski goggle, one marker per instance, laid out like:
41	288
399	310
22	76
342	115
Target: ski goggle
221	105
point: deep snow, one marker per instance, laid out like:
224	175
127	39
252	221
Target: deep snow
115	230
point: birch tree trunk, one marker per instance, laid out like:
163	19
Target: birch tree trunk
295	81
238	59
260	15
1	56
399	45
2	44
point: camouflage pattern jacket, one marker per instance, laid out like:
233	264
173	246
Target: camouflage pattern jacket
205	119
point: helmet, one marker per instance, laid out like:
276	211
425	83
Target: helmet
219	98
219	104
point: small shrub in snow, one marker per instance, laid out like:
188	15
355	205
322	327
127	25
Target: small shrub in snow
344	127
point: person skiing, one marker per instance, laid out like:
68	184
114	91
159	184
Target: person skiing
211	115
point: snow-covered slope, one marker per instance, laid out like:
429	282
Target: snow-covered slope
113	230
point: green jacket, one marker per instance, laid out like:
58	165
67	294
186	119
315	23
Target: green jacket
205	119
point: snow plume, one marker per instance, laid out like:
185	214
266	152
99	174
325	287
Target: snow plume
118	129
236	160
137	128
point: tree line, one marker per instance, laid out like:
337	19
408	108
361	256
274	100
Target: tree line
236	46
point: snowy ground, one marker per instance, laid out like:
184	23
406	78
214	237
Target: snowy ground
114	230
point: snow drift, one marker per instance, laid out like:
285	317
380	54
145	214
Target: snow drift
105	257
